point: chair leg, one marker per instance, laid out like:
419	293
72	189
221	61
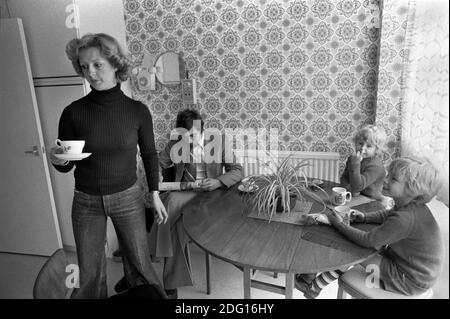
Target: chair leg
208	273
289	290
341	293
247	283
187	252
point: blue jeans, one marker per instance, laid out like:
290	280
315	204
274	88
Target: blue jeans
127	212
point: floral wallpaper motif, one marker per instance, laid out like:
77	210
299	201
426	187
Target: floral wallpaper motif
392	62
307	67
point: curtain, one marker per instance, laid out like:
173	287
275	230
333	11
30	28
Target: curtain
425	80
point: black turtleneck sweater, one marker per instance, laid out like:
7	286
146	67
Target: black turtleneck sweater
112	125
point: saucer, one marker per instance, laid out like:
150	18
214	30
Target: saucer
72	157
245	179
320	218
246	189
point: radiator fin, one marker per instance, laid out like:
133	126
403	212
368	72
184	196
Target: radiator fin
323	165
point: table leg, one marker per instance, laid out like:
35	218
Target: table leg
208	272
247	282
289	285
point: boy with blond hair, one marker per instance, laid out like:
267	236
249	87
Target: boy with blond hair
414	256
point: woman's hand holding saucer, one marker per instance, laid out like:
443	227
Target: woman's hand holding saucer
57	161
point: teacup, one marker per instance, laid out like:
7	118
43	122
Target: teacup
344	212
71	147
340	196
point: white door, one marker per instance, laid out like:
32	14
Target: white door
28	222
51	102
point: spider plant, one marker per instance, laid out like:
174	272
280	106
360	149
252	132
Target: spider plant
282	182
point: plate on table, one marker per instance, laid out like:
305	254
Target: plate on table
245	180
320	218
72	157
245	188
315	184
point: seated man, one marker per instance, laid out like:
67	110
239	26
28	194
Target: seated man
169	240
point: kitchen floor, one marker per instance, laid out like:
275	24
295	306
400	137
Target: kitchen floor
19	272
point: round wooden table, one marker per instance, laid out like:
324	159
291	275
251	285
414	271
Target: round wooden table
217	222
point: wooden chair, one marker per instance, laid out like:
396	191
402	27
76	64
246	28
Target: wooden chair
140	292
50	282
353	283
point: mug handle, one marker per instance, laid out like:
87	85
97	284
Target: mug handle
348	196
58	142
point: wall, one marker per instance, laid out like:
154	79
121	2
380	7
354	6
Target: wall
111	22
306	67
391	65
4	9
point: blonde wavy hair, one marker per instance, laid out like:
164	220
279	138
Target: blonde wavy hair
421	178
373	135
109	47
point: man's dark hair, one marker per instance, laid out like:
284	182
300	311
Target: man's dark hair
185	119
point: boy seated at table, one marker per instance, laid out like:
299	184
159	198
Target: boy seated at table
364	172
413	249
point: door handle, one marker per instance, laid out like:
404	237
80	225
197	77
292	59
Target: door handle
34	151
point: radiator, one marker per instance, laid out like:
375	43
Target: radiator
322	165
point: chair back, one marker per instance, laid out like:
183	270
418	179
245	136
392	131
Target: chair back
140	292
51	280
168	174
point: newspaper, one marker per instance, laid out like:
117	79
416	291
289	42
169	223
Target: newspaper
178	186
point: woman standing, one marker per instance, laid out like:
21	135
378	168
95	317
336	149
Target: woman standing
113	125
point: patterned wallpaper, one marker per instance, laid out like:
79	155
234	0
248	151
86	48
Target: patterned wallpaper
393	57
308	68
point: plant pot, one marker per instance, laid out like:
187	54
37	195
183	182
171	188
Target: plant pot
292	201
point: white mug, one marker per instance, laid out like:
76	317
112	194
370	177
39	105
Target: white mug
71	147
344	212
340	196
